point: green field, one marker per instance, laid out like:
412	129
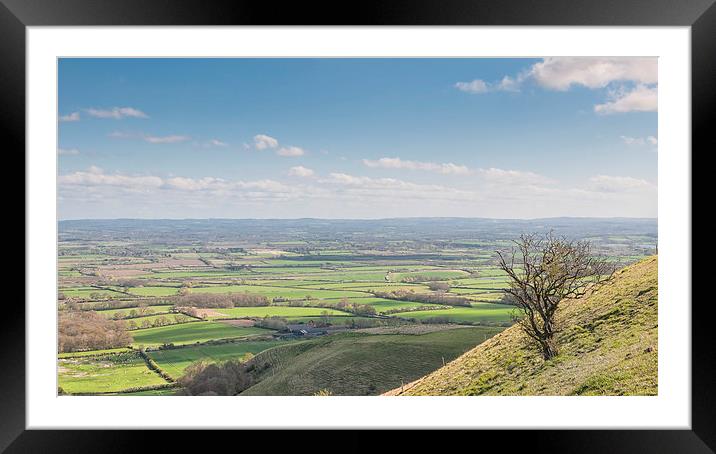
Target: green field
382	305
339	320
150	392
278	311
479	312
153	291
174	361
190	333
109	373
427	274
86	292
276	292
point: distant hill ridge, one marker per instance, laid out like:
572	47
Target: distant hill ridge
608	347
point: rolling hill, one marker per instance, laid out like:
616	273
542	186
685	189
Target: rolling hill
608	346
359	363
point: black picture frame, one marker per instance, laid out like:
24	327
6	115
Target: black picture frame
700	15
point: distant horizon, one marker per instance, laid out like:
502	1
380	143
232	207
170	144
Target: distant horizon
365	219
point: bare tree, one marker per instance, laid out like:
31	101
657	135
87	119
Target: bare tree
543	271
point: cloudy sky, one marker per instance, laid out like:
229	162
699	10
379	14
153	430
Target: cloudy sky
357	138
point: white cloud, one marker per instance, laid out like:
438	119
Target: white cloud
513	177
476	86
121	135
192	184
509	84
479	86
382	189
262	142
74	116
290	151
650	140
68	152
117	113
606	183
633	140
493	193
217	143
641	99
95	176
560	73
397	163
95	179
166	139
300	171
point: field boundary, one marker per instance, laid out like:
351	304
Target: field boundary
154	367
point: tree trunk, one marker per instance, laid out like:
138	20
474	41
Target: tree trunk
549	348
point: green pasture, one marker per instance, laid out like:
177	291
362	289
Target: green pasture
153	291
478	313
427	274
382	304
110	373
174	361
277	292
278	311
190	333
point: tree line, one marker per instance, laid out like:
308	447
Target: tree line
87	330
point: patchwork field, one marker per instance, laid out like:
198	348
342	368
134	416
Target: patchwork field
191	333
205	287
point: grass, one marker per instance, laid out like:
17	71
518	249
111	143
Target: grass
174	361
333	320
277	292
279	311
153	291
383	305
152	392
358	364
608	345
109	373
427	275
190	333
477	313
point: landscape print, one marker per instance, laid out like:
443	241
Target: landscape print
357	227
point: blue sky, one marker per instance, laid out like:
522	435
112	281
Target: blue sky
357	138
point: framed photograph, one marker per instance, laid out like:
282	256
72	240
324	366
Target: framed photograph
417	216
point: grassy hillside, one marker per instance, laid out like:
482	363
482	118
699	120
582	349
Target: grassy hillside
608	347
359	363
